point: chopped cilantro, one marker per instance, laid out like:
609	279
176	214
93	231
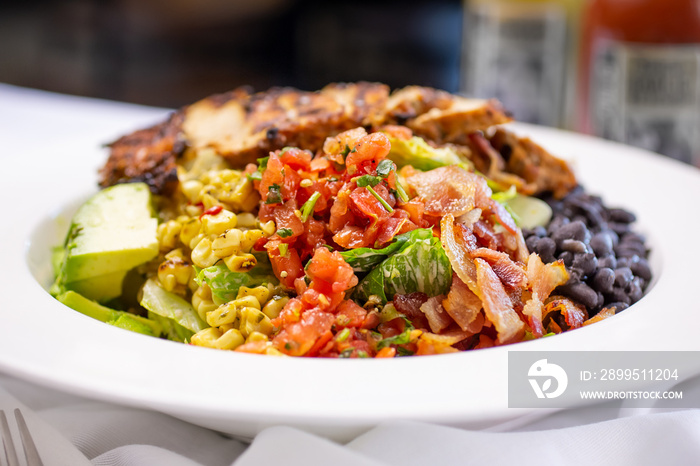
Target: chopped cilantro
385	167
274	196
346	353
400	339
368	180
284	232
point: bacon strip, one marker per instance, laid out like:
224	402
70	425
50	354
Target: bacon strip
462	305
543	279
511	274
445	190
497	305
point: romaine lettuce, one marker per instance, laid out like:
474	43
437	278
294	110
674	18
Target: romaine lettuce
419	265
224	284
421	155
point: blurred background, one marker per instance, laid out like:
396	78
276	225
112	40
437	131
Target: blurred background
627	70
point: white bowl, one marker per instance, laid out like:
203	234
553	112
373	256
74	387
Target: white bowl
47	343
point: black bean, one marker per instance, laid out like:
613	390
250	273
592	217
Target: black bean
641	269
540	231
577	247
635	290
623	275
602	244
619	307
624	250
618	294
581	293
546	247
608	262
575	230
621	216
603	280
623	262
557	222
619	228
567	257
587	263
601	299
531	242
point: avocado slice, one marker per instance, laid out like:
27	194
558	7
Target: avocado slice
120	319
113	232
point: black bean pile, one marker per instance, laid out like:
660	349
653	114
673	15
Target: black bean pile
606	260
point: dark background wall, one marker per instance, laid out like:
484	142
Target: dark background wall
172	52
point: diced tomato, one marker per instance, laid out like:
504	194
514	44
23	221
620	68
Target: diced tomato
313	237
374	146
319	164
254	347
351	237
271	176
285	217
330	267
296	158
290	313
415	210
340	214
397	131
366	205
297	339
350	314
286	267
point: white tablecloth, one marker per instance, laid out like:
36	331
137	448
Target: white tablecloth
74	431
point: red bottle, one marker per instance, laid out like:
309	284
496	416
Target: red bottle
640	75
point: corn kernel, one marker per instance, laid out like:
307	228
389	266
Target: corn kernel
249	238
242	263
306	183
250	202
168	233
274	306
253	320
193	210
247	220
228	243
192	190
202	301
268	228
272	351
246	301
256	336
174	272
202	255
206	337
224	314
190	230
230	340
219	223
260	293
209	201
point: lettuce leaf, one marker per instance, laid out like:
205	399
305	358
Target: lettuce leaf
365	259
170	306
419	265
224	284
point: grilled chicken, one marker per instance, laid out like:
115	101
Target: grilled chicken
242	126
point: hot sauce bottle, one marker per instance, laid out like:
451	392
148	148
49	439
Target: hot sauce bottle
640	75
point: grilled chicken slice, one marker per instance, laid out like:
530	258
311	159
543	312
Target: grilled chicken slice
534	164
147	155
242	127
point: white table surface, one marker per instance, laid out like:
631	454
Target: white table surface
72	430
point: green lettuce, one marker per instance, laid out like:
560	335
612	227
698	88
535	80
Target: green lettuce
365	259
419	264
171	311
224	284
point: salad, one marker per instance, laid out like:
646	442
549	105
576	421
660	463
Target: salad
351	222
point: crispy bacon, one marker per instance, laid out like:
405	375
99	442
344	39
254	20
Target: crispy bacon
445	190
543	279
457	250
574	314
438	319
511	274
497	305
462	305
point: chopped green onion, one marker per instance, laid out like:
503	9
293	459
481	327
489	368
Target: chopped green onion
400	191
262	163
346	353
284	232
380	199
284	249
308	207
343	335
400	339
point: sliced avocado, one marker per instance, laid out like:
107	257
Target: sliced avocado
119	318
101	288
113	232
